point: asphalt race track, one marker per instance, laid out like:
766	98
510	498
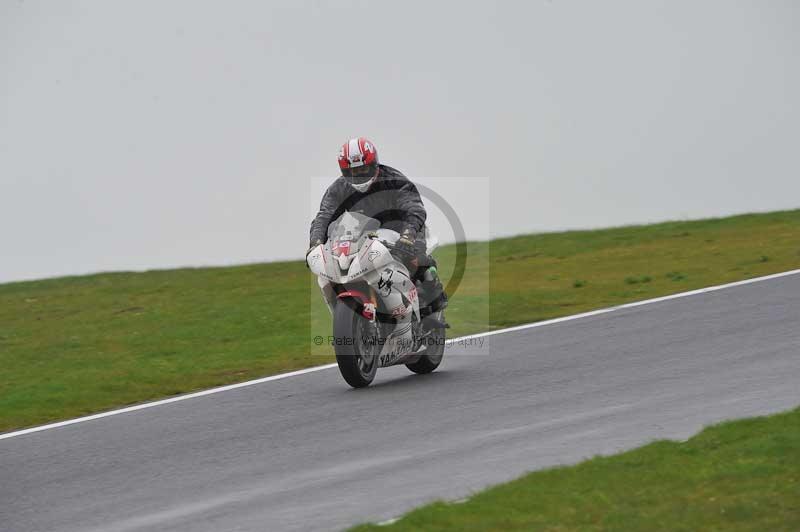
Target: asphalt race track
308	453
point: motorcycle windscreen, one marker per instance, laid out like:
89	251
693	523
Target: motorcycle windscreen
350	226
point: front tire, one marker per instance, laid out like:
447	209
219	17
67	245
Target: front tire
357	358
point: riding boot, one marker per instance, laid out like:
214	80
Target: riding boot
432	295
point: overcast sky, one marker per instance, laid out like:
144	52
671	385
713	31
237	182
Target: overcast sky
152	134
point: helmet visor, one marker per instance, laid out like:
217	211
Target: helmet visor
360	174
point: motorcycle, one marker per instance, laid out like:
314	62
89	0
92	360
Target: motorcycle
374	302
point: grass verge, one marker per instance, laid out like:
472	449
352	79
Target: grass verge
739	475
77	345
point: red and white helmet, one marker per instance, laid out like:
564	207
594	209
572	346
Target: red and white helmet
358	160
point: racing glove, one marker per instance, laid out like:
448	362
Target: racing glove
404	248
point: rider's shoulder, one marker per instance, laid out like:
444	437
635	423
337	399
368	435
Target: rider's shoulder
339	184
394	173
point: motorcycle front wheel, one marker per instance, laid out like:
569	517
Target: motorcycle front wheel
355	345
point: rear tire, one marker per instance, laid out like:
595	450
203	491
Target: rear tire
358	360
434	352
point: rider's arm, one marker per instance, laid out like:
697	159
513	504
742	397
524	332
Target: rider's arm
327	211
412	207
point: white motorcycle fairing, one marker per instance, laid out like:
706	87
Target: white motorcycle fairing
374	264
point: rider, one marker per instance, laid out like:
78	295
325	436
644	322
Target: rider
383	193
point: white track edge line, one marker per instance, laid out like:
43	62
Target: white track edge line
461	339
160	402
625	306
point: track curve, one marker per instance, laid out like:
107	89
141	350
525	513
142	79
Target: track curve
308	453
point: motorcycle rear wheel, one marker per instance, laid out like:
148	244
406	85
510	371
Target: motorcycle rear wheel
357	358
434	352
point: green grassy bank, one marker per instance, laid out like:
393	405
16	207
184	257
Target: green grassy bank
77	345
740	475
